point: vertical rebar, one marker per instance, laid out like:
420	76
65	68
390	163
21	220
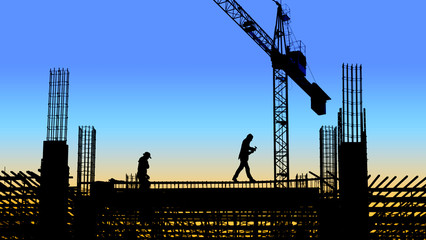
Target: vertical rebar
352	103
86	156
352	121
67	87
365	125
360	97
342	110
79	158
57	114
93	156
357	105
321	140
328	158
346	121
333	156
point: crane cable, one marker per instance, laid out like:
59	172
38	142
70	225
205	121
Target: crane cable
313	77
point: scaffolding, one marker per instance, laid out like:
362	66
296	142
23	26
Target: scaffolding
86	157
19	205
397	209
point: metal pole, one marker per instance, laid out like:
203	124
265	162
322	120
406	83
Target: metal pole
352	102
335	160
67	87
321	132
346	121
360	96
79	158
49	108
93	155
356	101
342	114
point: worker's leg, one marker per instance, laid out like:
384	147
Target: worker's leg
238	171
140	183
248	171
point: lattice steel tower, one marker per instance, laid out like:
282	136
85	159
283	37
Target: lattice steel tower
86	157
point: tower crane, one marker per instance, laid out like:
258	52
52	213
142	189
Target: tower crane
288	60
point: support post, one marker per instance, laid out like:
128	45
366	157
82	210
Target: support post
54	178
353	171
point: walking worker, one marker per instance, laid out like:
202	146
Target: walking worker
245	151
142	174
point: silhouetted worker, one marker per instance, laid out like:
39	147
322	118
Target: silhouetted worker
245	151
142	174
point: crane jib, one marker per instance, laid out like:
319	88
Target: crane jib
247	23
259	42
293	63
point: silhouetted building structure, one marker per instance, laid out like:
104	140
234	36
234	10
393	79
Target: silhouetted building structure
86	158
54	164
353	155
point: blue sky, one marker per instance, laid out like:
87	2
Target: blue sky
180	79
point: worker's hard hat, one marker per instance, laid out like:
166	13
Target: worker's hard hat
147	154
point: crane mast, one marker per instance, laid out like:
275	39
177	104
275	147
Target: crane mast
288	60
280	106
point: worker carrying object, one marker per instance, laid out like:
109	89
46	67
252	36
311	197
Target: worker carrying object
142	174
245	151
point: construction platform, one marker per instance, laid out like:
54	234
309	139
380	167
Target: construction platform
227	195
118	210
201	210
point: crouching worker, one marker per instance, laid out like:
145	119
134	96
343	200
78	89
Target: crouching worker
142	174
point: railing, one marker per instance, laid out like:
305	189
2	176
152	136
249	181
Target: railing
196	184
301	181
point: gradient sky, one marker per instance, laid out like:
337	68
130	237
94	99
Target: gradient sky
180	79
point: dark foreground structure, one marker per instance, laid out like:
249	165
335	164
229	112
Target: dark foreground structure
118	210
